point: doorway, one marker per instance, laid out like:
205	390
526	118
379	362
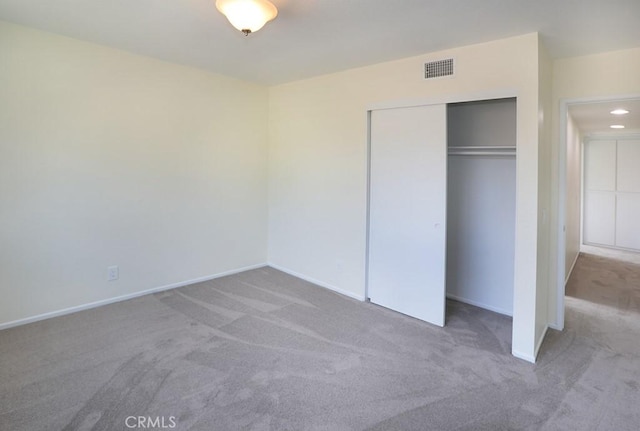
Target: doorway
589	120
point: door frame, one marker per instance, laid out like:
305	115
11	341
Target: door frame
561	278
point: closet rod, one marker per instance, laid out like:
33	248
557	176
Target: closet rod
479	148
502	151
483	153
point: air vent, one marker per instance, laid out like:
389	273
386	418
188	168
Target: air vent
438	68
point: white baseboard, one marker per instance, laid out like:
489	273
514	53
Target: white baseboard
480	304
318	282
100	303
530	358
573	265
540	341
523	356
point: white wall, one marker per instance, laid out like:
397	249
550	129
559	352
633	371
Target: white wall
611	75
545	81
318	163
573	195
108	158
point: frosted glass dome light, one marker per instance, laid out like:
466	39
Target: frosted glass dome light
247	16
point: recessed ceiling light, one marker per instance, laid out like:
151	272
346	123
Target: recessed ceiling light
617	126
619	111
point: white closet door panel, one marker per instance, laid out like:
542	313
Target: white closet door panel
408	211
599	217
629	166
600	165
628	220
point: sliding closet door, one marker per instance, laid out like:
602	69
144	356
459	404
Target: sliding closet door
407	231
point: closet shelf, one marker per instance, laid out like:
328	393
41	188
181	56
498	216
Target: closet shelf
482	151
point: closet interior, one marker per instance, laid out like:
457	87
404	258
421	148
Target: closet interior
481	192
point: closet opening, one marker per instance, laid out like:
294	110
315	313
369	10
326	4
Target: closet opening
481	203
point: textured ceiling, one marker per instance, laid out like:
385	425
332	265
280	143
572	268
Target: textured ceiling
314	37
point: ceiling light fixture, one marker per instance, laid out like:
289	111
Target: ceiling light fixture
247	16
619	111
617	126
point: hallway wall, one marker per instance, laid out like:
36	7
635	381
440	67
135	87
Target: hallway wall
574	194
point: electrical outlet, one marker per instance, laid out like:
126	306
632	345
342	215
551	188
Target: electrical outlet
113	273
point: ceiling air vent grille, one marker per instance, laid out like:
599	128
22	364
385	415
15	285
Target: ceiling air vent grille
438	68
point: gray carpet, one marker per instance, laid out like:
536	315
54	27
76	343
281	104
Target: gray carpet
263	350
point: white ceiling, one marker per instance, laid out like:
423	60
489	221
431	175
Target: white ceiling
595	118
314	37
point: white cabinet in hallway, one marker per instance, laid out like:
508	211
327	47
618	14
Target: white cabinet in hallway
612	193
